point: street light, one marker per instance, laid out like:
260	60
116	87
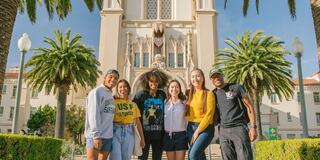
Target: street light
24	45
297	50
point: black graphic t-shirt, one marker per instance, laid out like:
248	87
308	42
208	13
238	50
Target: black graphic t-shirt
231	113
151	109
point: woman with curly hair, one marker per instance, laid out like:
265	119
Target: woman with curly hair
151	104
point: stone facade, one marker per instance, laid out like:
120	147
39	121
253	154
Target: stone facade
172	35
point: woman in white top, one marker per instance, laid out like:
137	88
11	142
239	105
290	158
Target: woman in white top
175	141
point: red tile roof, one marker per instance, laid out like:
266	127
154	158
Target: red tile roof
307	82
11	75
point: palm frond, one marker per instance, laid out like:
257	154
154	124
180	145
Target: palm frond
49	7
66	62
31	10
245	7
89	4
257	62
292	8
257	6
225	4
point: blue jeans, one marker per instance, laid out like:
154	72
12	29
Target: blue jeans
196	151
106	144
122	142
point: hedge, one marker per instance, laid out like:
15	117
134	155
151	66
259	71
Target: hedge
297	149
21	147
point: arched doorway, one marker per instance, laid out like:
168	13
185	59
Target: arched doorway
136	86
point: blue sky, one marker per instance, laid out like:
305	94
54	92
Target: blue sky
274	19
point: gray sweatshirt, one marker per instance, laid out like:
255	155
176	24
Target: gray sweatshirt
99	113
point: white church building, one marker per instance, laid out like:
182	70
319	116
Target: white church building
173	35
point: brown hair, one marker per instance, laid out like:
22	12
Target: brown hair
180	95
191	91
161	77
127	84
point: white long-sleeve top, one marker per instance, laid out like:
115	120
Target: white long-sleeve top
99	113
174	117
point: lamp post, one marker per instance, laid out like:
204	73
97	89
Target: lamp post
297	50
24	45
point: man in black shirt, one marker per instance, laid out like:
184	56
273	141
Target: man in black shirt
233	104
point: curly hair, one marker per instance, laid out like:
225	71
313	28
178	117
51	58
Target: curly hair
161	77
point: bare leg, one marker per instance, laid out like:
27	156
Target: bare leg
171	155
92	154
180	155
103	155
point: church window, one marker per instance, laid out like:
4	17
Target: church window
145	59
180	59
166	9
171	60
152	9
136	62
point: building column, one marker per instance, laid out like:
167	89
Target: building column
109	38
206	40
190	63
176	54
127	65
141	54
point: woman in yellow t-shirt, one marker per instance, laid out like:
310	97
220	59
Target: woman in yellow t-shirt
200	110
126	113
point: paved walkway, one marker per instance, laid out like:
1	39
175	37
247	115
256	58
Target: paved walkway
212	152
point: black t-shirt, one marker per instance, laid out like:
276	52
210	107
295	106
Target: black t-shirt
231	113
151	110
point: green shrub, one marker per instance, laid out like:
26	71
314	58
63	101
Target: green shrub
297	149
20	147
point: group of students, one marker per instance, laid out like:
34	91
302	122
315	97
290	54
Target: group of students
174	122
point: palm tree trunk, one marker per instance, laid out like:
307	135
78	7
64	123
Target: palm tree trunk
315	8
61	107
256	105
8	15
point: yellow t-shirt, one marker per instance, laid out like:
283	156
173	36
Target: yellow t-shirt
195	110
124	111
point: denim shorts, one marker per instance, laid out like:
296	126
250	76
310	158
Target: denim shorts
178	141
106	144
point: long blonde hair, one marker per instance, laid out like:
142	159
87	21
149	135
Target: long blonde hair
191	91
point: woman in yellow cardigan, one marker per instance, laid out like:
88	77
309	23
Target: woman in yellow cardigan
200	110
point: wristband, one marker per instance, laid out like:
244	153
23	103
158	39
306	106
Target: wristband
253	126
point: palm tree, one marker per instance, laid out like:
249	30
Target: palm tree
8	13
257	62
67	62
315	8
246	5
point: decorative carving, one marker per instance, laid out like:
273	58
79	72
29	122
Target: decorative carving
158	62
158	35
